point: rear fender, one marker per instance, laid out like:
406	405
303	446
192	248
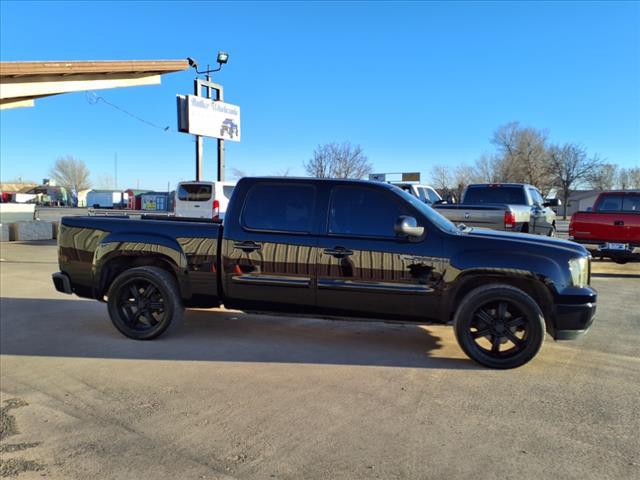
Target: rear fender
139	248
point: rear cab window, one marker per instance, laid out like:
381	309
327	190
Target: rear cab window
279	208
194	192
490	194
620	203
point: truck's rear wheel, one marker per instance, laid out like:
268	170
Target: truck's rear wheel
499	326
144	302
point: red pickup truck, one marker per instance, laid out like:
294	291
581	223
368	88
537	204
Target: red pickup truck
611	228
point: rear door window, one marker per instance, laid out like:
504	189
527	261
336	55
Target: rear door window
279	207
362	212
194	192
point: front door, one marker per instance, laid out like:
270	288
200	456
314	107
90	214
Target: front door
364	268
269	258
541	217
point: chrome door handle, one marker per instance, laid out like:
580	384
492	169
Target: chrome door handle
247	246
338	252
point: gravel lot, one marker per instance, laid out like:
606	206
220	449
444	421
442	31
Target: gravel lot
235	395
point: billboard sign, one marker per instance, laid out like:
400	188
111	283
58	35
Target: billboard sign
395	177
208	118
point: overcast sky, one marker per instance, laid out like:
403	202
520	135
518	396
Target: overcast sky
416	84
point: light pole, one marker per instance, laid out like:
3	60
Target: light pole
222	59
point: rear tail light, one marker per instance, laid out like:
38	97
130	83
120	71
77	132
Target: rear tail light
509	219
216	210
571	229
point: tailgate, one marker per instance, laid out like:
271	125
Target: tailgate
607	226
473	216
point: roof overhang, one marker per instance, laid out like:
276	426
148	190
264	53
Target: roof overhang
23	82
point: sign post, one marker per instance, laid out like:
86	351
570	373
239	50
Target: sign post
204	117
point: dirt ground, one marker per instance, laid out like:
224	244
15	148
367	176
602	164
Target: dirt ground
234	395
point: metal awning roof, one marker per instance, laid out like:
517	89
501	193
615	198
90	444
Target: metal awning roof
23	82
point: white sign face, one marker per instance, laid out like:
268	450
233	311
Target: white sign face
210	118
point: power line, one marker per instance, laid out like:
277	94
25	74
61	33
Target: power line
93	98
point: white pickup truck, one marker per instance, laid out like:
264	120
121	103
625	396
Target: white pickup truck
514	207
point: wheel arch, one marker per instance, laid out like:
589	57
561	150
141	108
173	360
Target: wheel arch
529	283
114	255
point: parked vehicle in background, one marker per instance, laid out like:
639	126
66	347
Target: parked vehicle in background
203	199
515	207
105	199
424	192
333	247
611	228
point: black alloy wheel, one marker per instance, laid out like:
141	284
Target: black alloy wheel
141	304
499	326
144	302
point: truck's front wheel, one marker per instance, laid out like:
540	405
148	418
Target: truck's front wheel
499	326
144	302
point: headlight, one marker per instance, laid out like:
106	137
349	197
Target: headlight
579	268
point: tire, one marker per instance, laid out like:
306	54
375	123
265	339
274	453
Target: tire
144	302
513	323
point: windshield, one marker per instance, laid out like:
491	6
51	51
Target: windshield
434	217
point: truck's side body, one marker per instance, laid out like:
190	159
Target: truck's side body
612	227
327	246
509	207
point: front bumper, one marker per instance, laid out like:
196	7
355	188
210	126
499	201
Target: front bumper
62	282
575	317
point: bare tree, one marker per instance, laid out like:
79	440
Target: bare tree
623	179
603	177
570	166
441	178
462	177
523	154
338	160
284	172
634	177
71	174
237	174
105	181
488	169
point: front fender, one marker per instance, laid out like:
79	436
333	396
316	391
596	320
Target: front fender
524	265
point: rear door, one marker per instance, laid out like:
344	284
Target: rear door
364	268
194	199
269	251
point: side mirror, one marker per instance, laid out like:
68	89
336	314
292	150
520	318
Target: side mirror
440	202
589	209
407	226
552	202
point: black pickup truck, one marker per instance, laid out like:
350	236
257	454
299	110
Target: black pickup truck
333	247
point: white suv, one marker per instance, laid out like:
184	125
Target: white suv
203	199
424	192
